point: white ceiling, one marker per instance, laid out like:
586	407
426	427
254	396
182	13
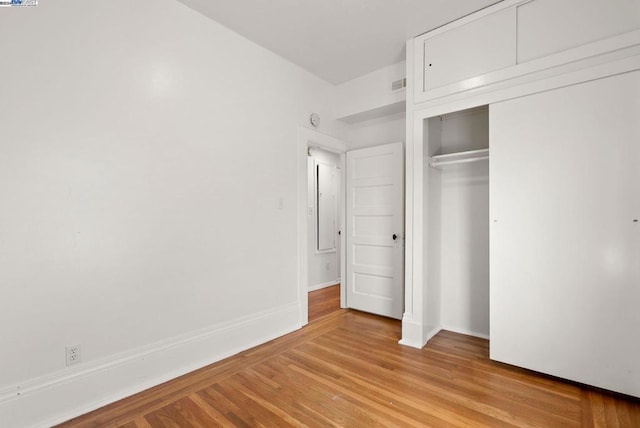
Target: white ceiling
336	40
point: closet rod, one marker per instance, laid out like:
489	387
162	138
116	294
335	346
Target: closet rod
461	157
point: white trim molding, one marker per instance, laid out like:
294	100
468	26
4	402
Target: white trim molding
324	285
63	395
411	332
465	332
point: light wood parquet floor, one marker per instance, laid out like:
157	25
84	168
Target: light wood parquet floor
323	302
346	369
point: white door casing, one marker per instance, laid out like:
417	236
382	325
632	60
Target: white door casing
375	230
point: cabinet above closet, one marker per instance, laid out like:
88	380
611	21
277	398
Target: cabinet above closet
470	50
505	42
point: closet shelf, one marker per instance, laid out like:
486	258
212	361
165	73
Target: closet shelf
460	157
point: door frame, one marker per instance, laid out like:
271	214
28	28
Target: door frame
309	138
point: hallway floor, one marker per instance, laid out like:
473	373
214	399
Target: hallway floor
323	302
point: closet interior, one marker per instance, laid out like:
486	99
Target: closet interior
456	203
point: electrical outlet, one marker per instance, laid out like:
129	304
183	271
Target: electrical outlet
73	354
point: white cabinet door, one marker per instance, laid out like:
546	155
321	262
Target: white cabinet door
565	236
481	46
549	26
375	216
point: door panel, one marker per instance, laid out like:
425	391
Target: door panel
571	23
474	49
565	241
375	201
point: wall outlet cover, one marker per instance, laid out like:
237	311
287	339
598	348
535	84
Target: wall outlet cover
73	354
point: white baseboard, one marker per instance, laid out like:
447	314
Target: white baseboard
415	334
466	332
430	332
324	285
58	397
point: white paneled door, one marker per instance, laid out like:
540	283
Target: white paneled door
375	230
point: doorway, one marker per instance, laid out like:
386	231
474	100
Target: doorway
321	211
370	250
323	225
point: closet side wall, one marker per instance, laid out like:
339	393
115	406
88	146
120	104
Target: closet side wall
431	208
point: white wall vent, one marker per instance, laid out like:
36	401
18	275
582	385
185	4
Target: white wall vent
399	84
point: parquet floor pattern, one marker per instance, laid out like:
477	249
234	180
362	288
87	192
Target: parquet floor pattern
347	369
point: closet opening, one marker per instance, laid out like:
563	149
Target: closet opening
456	232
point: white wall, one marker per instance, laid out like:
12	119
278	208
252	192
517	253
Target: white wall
371	96
144	153
375	112
464	234
324	268
375	132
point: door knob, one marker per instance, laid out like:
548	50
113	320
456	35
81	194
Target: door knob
395	237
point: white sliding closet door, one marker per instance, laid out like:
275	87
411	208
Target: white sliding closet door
565	237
